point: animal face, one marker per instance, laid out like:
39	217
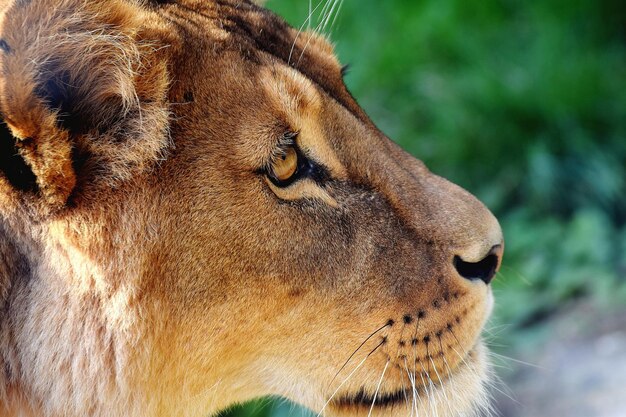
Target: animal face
196	212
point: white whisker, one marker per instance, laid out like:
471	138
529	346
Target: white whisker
324	11
311	35
508	358
329	15
414	389
473	369
441	386
336	15
378	389
431	398
307	22
346	380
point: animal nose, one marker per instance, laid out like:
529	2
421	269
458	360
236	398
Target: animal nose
485	269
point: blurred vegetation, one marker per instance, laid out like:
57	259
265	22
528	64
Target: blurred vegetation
522	103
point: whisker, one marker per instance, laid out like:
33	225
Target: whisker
324	12
473	369
329	15
462	349
400	338
445	362
508	358
497	330
462	357
378	389
441	386
452	384
490	343
414	389
428	356
506	366
348	377
336	15
470	367
307	22
431	395
321	26
435	392
492	386
406	398
308	42
389	323
417	324
495	379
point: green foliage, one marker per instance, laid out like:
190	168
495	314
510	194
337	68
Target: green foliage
270	407
552	261
522	103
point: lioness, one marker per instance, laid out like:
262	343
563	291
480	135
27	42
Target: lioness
194	212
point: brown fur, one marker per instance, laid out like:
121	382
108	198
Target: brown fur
148	267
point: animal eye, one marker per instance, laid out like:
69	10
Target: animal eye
284	168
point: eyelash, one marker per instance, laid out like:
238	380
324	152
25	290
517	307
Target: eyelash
286	141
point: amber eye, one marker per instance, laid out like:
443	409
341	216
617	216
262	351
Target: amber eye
285	166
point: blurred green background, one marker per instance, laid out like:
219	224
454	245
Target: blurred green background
524	104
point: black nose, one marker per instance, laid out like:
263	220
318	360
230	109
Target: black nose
484	269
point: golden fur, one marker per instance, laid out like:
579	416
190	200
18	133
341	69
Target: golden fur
150	267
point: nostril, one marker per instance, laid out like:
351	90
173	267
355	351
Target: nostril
483	270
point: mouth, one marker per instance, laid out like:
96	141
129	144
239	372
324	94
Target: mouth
363	399
367	399
463	391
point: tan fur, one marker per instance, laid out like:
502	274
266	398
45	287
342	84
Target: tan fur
149	267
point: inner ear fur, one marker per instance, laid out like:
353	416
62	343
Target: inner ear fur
83	95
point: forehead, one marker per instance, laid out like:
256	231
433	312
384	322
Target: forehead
260	37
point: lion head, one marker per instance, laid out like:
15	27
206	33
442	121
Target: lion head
194	212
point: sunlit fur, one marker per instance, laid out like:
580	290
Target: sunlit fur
148	267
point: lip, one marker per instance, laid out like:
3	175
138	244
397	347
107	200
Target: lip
365	400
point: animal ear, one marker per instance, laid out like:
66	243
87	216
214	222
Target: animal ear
83	96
